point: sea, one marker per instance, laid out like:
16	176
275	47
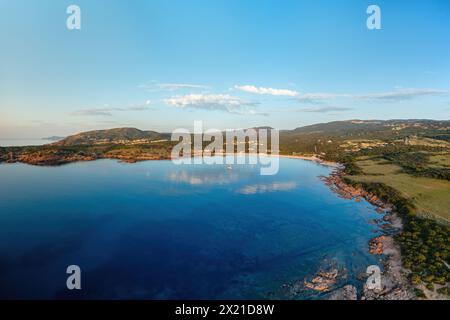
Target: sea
156	230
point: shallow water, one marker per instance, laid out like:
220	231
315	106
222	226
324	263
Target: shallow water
154	230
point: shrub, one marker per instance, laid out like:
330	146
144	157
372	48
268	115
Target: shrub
415	279
419	294
444	291
430	286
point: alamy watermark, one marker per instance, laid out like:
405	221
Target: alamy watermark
374	20
73	21
236	146
74	280
374	280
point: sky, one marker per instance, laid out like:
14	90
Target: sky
163	64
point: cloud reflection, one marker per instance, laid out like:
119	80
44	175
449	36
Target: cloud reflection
203	178
266	188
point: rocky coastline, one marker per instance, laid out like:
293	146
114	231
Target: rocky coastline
60	157
50	155
395	285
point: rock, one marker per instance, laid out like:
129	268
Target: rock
323	281
394	281
346	293
376	245
329	275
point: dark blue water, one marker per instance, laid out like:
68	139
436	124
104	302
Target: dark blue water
153	230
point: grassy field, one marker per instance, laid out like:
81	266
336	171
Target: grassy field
430	196
420	141
441	160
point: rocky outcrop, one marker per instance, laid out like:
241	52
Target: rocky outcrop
3	157
56	156
335	182
376	245
323	281
348	292
49	157
394	281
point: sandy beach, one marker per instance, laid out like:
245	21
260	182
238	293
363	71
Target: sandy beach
308	158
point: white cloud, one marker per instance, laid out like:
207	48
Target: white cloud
314	98
108	111
222	102
326	109
171	86
267	91
403	94
396	95
177	86
93	112
134	108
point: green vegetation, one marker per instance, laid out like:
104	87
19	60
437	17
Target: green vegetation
425	246
443	137
336	139
425	243
418	164
121	135
61	154
419	293
430	197
413	174
444	291
440	160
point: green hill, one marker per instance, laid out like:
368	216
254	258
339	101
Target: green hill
329	138
118	136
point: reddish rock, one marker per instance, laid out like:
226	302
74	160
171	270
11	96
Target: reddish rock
376	245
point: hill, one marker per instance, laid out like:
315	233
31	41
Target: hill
112	136
302	137
354	135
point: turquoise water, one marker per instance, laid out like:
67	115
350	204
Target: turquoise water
154	230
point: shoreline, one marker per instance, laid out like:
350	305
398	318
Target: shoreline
336	165
395	285
286	156
52	159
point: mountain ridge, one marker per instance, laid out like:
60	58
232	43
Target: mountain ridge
125	134
344	129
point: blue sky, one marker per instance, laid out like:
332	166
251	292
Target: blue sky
161	64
